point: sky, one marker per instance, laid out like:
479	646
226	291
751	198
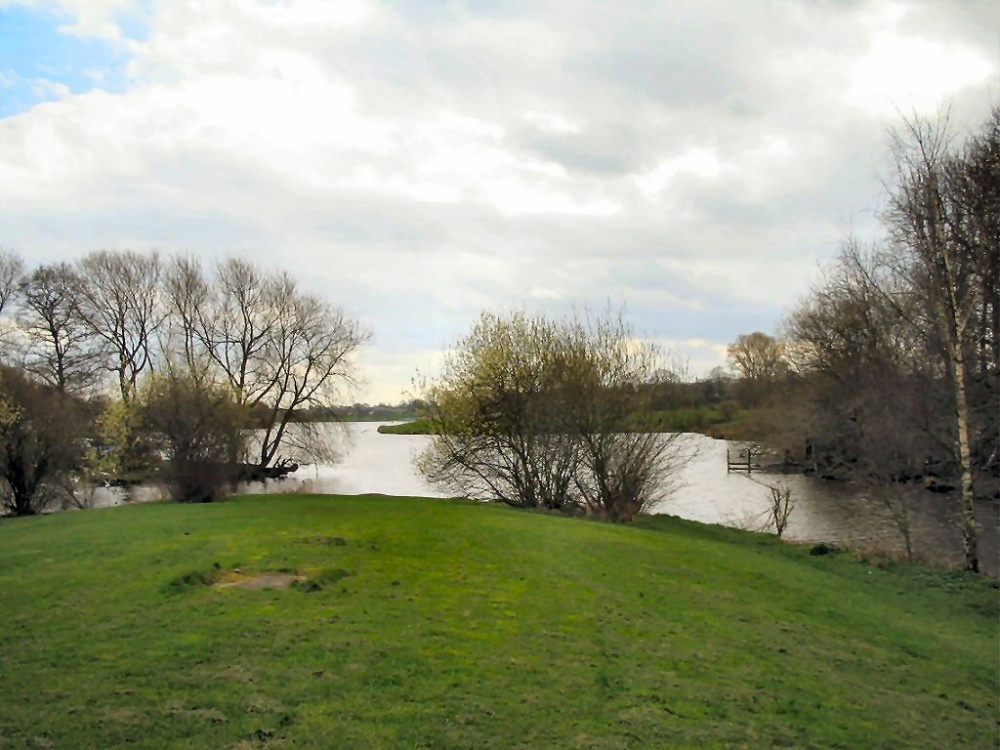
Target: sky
416	162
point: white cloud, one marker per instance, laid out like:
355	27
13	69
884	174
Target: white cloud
699	162
551	123
89	18
694	357
418	163
311	14
912	73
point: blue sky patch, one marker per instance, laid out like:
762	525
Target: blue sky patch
34	55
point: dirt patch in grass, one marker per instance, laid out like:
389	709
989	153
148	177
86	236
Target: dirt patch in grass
263	581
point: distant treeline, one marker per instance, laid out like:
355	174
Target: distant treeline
361	412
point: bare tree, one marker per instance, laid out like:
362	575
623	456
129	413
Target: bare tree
121	303
888	444
625	465
313	350
940	242
59	345
915	318
238	332
756	355
11	269
189	299
782	503
758	359
280	349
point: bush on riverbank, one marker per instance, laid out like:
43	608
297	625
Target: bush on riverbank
451	624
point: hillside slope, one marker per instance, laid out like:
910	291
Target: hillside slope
446	624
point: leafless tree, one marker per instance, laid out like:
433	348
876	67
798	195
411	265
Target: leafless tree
782	503
121	303
943	221
888	444
759	359
314	344
189	301
915	317
282	350
11	269
239	330
625	466
874	388
60	347
756	355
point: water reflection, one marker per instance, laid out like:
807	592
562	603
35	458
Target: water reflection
371	463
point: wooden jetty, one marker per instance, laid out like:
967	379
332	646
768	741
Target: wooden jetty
746	460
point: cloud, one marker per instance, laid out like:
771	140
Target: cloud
912	74
418	162
84	18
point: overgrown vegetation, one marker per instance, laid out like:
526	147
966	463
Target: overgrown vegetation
201	427
79	332
472	625
889	370
41	440
541	413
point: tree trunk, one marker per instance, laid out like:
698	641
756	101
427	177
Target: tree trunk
970	547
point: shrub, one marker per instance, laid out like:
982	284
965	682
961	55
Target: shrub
200	427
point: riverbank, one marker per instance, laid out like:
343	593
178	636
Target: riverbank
839	513
711	421
438	623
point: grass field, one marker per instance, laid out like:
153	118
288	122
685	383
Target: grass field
445	624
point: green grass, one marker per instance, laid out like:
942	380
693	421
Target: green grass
714	421
739	424
694	419
421	426
447	624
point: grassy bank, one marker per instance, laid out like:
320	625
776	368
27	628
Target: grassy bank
440	624
419	426
739	424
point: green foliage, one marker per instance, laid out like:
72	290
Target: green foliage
471	625
123	448
537	413
701	419
720	420
42	434
418	426
200	426
115	434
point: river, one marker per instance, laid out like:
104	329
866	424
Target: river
703	490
